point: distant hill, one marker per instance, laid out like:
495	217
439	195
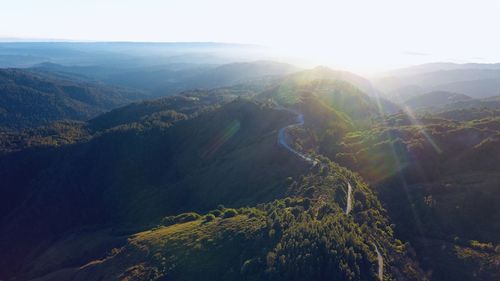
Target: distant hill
29	98
123	54
474	80
325	73
343	91
441	66
229	74
435	99
168	79
482	88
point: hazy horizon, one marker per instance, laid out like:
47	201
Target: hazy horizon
366	37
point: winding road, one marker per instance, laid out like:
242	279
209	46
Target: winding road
349	199
282	140
380	260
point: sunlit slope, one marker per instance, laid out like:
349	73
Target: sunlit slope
438	179
332	107
342	91
303	236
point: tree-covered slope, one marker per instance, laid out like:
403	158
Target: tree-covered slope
160	113
439	181
303	235
226	156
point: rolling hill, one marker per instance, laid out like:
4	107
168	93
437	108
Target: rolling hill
173	78
30	99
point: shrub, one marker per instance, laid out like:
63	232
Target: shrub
186	217
307	203
216	213
209	217
309	192
229	213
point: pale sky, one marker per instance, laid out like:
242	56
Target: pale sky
352	34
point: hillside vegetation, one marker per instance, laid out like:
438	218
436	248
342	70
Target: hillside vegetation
226	156
438	178
29	99
303	235
136	188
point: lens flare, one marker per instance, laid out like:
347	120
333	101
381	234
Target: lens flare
221	139
422	130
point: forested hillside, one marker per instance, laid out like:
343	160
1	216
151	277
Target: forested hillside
29	99
129	175
439	179
304	235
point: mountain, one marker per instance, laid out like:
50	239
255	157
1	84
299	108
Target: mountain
30	98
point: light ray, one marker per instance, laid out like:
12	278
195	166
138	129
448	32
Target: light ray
422	130
222	138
